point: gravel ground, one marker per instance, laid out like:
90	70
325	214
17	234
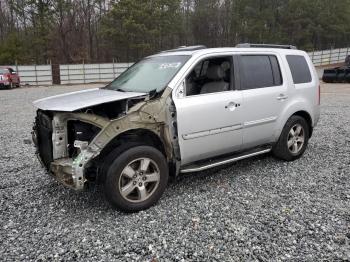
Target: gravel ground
256	209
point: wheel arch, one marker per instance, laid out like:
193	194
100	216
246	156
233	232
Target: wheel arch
139	135
126	140
304	114
300	107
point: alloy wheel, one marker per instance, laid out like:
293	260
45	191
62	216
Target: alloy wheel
139	180
296	139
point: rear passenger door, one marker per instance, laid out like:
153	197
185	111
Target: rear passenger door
264	95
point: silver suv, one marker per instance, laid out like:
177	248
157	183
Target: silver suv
179	111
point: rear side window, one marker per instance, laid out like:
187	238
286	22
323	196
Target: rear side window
299	68
258	71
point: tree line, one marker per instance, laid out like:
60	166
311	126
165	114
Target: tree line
73	31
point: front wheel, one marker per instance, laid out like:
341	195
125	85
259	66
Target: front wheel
293	140
136	179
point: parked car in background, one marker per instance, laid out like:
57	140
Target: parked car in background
9	78
347	60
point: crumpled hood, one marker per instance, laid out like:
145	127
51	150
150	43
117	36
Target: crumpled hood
82	99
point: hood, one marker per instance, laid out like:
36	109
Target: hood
82	99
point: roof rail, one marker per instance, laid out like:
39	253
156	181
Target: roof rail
248	45
186	48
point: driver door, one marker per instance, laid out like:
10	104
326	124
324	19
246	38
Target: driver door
209	123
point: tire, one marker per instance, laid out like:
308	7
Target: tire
142	186
289	147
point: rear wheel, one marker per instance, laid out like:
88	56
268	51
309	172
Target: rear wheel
293	140
136	179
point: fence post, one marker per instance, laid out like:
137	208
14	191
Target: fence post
36	74
51	73
338	56
16	66
330	56
113	70
84	71
68	75
312	57
99	72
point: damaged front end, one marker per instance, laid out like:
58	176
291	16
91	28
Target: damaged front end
68	143
62	141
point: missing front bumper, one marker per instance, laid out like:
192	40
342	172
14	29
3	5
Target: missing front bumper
66	172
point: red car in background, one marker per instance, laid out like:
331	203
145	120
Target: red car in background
9	78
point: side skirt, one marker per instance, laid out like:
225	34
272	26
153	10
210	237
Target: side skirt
204	165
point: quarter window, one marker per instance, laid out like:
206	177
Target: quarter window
299	69
258	71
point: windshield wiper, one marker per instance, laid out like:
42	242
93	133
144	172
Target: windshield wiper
152	93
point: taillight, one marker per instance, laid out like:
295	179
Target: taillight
319	94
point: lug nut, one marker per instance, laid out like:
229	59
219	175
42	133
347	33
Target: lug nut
135	176
134	183
144	178
140	184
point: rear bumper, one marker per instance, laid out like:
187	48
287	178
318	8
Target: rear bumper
317	111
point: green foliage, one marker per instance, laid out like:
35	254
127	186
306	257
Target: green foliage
12	49
67	31
140	27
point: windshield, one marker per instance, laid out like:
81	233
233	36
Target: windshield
153	73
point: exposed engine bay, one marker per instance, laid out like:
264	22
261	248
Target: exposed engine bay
112	110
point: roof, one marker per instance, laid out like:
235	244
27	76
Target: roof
205	51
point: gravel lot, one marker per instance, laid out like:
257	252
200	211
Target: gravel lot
256	209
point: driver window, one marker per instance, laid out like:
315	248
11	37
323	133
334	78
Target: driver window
210	76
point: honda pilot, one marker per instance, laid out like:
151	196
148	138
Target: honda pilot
179	111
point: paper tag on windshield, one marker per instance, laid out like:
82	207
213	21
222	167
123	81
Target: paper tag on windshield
169	65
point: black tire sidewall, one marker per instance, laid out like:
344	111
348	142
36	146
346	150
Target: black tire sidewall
114	172
281	149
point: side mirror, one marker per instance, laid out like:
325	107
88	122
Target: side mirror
13	73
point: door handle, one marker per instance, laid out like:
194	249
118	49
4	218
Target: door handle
282	97
232	106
